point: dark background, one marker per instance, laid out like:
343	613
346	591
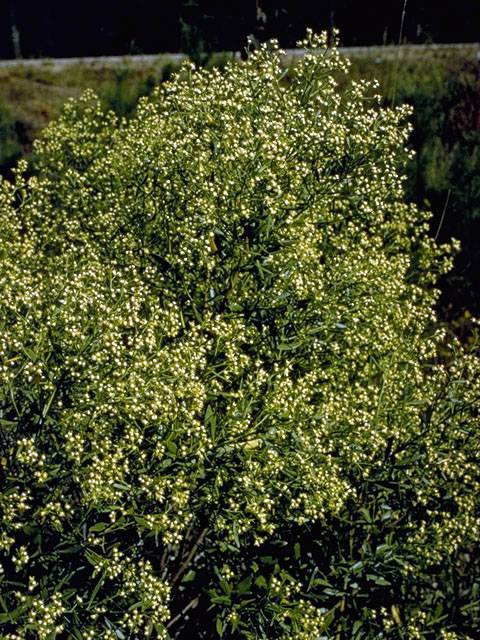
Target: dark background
57	28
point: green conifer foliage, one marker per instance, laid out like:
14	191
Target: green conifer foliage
222	411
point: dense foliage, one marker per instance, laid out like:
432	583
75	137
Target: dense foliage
443	87
222	409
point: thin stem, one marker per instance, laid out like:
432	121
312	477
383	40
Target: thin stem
185	564
397	60
443	215
192	604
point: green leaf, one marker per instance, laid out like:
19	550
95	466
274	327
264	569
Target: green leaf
378	579
328	619
71	549
3	604
235	534
366	514
96	589
244	586
31	355
261	582
159	628
189	576
143	522
93	558
171	446
356	626
121	486
46	408
219	626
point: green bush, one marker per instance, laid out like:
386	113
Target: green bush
10	149
122	98
444	173
222	409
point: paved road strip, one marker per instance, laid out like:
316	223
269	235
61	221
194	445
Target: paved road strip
387	51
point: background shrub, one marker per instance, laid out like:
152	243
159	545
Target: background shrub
222	407
121	98
443	89
10	150
444	174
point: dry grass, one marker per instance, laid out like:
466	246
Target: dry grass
35	95
32	101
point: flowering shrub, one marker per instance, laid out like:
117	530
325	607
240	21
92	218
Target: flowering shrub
222	410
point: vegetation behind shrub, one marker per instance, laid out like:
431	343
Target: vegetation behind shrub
443	90
223	413
121	98
10	150
445	173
